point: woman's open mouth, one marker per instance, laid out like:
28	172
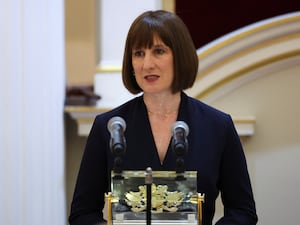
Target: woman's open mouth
151	77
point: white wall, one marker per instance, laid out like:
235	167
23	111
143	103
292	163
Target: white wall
273	152
32	188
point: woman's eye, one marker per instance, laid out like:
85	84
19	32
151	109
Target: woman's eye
159	51
138	53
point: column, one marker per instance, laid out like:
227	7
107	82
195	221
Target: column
32	82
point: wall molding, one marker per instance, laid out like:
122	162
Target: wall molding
268	43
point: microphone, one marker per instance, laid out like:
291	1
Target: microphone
116	126
180	131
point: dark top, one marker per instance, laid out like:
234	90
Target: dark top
214	151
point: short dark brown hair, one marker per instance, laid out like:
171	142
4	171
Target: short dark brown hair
174	33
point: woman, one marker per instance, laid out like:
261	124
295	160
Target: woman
160	61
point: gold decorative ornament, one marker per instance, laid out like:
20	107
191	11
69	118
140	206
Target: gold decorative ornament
162	199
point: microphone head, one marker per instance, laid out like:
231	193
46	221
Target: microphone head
116	120
180	131
180	124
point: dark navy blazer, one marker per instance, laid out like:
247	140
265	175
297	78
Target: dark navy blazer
215	152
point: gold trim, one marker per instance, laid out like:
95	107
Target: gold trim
245	120
247	51
84	109
247	70
84	121
109	69
169	5
200	201
247	33
108	198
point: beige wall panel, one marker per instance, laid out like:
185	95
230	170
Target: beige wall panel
80	41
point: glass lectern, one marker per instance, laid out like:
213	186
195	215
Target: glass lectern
173	198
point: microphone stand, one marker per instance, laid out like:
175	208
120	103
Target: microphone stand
118	150
118	168
148	182
180	169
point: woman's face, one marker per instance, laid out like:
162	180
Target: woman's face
153	67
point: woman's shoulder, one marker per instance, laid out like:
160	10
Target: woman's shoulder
200	107
202	114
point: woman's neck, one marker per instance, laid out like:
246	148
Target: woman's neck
163	105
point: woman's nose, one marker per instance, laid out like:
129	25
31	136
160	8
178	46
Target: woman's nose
148	62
